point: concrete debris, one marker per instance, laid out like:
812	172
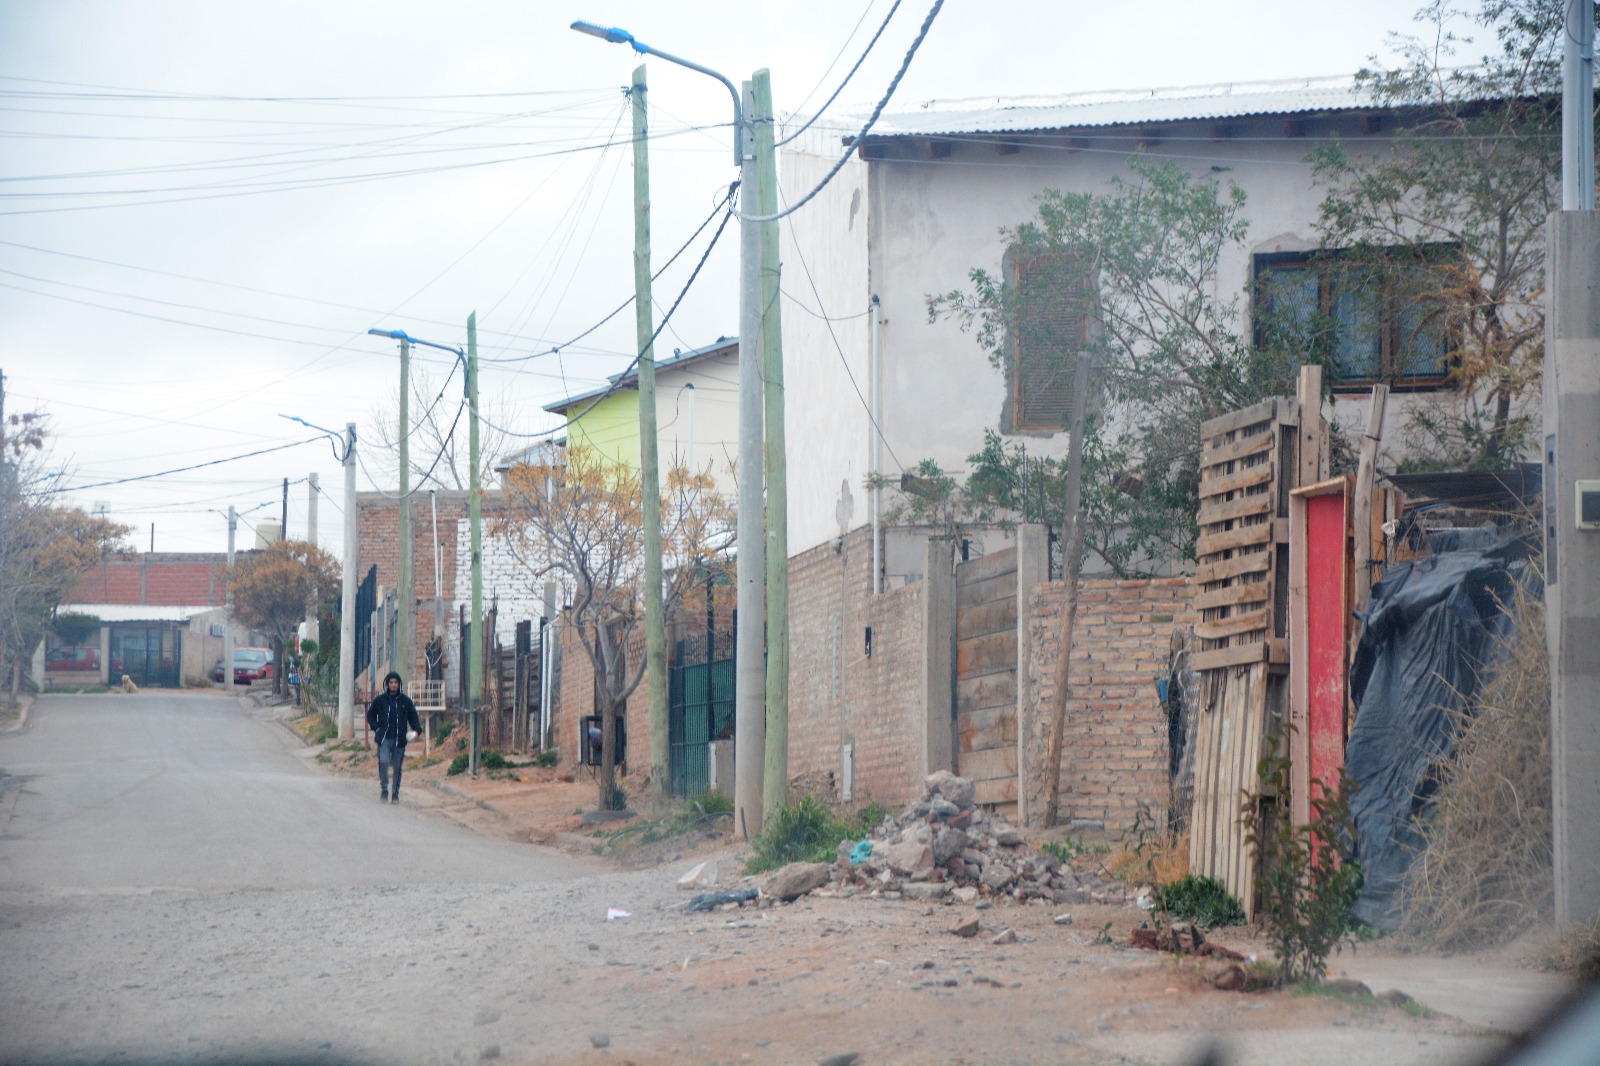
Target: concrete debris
945	839
1005	936
844	1058
600	1039
1062	919
966	928
796	879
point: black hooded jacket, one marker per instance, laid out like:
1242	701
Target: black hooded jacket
390	716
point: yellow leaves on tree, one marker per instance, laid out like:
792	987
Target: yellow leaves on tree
275	588
579	518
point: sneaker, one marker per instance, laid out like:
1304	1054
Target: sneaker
395	798
383	797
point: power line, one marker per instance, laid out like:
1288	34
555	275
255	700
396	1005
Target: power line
905	64
837	55
617	381
794	237
185	469
829	101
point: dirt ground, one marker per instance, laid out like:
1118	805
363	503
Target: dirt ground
825	976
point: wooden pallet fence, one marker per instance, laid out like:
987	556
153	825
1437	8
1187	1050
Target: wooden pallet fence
1249	462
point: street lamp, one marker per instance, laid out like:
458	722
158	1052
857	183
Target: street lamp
474	511
613	35
750	708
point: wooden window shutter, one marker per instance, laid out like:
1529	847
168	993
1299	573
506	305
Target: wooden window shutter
1050	329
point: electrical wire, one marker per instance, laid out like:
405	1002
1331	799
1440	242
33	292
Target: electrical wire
837	55
618	379
829	101
624	305
865	405
905	64
184	469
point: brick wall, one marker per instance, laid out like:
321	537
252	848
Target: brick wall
156	579
1115	749
837	694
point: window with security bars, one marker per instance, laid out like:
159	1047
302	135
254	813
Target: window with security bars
1047	331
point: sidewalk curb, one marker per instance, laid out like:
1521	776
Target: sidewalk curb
451	790
26	702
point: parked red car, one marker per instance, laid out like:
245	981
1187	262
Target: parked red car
74	658
249	664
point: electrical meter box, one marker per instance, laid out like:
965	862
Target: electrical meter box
1588	504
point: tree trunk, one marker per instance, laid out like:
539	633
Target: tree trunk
608	741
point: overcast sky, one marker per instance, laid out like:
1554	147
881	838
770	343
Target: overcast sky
431	160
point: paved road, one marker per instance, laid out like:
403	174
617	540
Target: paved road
192	793
176	883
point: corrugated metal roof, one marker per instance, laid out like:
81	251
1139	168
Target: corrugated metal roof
1124	107
676	360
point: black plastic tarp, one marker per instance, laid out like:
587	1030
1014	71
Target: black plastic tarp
1430	629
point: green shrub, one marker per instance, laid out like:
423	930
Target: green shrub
445	725
808	832
458	765
323	729
547	758
1305	892
493	760
1201	900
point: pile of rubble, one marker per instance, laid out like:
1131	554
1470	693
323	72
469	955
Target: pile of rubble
945	847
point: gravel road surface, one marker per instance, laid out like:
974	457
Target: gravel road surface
177	885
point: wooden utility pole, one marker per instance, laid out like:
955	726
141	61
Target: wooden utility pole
1073	565
1366	474
475	524
775	781
655	640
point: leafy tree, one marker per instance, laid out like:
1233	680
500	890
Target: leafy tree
45	548
1449	216
580	516
1167	349
273	587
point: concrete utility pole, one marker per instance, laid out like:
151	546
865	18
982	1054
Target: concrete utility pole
655	640
475	524
749	692
775	791
749	684
1572	486
347	596
227	625
283	520
405	600
313	631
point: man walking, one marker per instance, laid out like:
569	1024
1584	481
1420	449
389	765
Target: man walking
389	717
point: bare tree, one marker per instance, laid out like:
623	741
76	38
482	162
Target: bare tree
581	516
439	426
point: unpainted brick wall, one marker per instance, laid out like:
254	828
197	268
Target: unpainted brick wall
1114	754
575	698
838	694
168	579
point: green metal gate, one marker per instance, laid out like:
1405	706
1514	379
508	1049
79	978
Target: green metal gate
147	653
699	710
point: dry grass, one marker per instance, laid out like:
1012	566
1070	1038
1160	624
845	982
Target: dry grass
1484	873
1157	862
1575	950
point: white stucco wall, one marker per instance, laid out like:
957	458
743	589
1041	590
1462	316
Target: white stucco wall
928	223
829	433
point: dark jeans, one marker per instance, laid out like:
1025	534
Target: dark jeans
390	753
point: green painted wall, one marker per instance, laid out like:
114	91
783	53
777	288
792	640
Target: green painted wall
611	427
